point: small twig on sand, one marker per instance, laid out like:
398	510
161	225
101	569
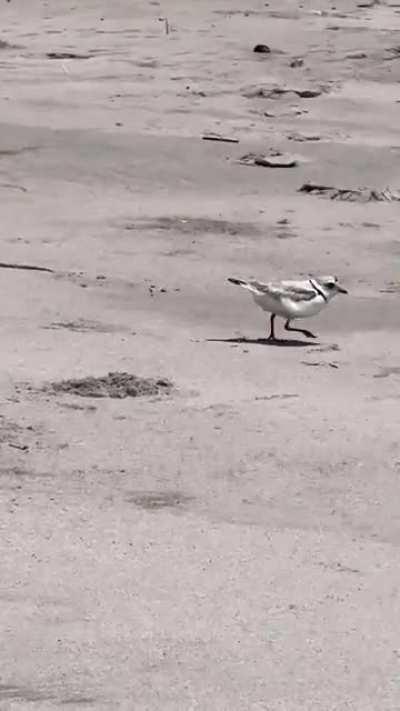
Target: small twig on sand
14	187
66	55
31	267
22	447
217	137
166	26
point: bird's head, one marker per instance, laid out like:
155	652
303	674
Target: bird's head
329	286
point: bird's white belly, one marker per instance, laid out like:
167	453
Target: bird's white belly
267	303
288	308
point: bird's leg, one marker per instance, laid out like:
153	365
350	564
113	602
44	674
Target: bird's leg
299	330
271	336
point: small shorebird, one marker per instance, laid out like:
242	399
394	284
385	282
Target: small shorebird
292	299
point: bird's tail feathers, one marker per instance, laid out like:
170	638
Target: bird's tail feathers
238	282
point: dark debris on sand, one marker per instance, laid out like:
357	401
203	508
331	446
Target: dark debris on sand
351	195
114	385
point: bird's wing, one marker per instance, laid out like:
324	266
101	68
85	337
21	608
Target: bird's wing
296	291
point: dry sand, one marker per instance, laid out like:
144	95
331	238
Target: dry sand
234	544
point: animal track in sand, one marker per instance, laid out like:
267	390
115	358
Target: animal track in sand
193	225
156	500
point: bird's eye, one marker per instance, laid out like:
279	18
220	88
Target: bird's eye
331	285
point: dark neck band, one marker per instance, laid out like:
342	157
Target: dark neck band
318	290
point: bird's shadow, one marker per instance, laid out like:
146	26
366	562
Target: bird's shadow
277	342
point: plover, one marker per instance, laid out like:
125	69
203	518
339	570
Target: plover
292	299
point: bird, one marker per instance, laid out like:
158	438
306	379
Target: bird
292	299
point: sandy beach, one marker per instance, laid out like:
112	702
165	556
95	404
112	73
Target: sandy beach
225	537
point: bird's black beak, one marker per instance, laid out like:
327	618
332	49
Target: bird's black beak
341	290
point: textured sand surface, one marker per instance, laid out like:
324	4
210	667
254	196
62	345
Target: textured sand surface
232	545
